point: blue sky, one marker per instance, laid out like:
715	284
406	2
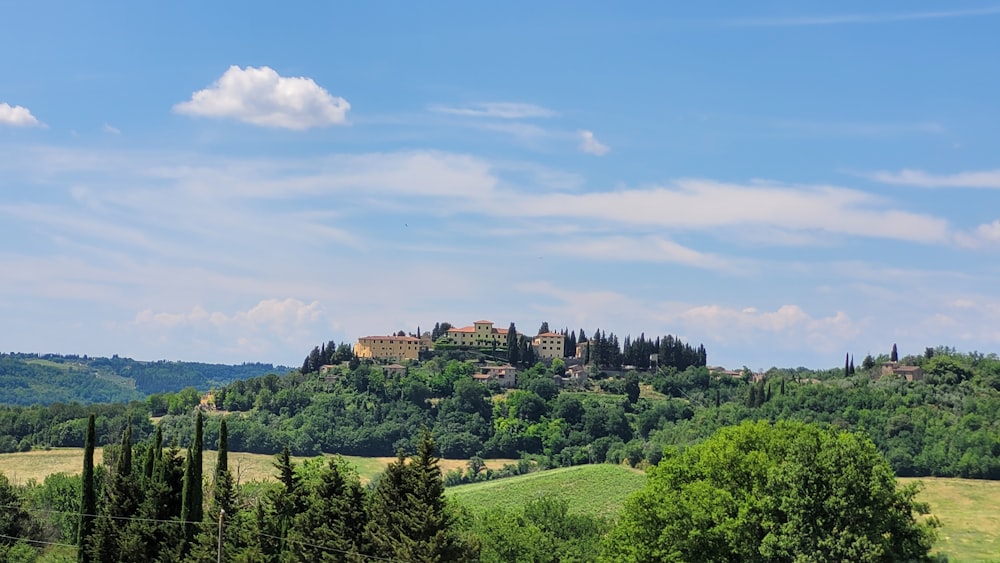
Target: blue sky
784	182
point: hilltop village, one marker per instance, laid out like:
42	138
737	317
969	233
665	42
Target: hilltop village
501	351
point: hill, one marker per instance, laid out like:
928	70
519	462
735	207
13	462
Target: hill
30	379
598	489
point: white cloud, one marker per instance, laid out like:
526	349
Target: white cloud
499	110
261	97
908	177
283	319
111	130
17	116
860	18
641	249
987	234
590	145
705	204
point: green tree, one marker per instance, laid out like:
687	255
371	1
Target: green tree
191	504
88	498
513	346
894	355
331	526
632	387
408	518
784	492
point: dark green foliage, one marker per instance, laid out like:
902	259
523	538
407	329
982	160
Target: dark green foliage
632	387
88	497
868	363
15	522
407	515
894	355
191	504
333	518
785	492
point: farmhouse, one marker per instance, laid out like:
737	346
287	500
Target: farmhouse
505	376
910	373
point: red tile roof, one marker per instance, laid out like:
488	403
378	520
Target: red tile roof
400	338
463	329
550	334
483	322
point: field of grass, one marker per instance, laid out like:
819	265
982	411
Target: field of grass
969	511
22	467
589	489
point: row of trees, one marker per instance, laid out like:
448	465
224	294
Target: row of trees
148	504
753	492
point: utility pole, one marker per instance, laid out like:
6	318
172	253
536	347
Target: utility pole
222	514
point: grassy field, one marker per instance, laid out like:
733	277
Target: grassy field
22	467
591	489
969	511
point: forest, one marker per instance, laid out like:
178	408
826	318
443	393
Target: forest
29	379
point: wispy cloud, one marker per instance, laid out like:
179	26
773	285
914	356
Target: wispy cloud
985	235
642	249
17	116
590	145
111	130
849	19
919	178
262	97
499	110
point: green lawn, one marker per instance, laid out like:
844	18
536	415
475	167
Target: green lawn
591	489
969	511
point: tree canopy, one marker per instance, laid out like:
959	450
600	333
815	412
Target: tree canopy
784	492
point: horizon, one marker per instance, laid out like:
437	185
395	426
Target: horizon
771	180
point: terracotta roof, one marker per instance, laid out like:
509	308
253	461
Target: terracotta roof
481	376
501	330
463	329
402	338
550	334
483	322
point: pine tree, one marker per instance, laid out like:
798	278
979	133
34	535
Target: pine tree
88	498
407	517
544	328
333	518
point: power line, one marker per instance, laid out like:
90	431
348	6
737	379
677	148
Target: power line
36	541
201	523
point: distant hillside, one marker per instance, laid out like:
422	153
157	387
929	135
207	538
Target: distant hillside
28	379
599	489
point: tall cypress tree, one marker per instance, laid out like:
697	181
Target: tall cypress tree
513	347
191	506
894	356
88	498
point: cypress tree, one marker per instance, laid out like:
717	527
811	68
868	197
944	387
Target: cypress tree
513	348
88	498
852	364
894	356
191	505
847	365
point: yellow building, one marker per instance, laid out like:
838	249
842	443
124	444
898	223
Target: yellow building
549	345
389	347
480	334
